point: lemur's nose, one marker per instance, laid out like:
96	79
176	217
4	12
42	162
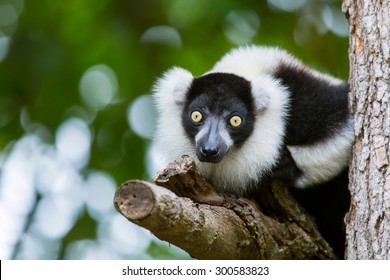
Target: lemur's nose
210	152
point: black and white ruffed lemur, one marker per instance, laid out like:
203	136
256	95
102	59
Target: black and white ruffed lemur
260	114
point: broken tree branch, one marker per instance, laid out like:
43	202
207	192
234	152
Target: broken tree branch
226	227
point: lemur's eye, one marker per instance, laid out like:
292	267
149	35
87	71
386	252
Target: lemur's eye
196	116
235	121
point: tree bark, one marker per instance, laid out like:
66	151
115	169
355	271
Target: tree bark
368	221
189	213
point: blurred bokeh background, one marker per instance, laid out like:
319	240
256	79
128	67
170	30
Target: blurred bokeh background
75	111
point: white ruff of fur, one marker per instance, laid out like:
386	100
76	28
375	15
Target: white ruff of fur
170	138
249	61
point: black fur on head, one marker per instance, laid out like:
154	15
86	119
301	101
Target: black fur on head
220	95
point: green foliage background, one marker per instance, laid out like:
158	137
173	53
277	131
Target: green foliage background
49	47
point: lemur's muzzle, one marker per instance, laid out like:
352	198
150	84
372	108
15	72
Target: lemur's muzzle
212	142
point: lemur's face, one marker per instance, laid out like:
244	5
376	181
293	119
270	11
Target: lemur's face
218	115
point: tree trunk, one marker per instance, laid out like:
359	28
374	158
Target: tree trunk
368	221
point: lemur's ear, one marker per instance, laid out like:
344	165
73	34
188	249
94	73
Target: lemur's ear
262	88
175	84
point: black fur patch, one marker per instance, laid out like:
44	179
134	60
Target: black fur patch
223	95
318	108
328	203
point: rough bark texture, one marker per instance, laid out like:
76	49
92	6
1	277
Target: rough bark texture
189	213
368	222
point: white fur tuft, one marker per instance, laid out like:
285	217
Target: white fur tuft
169	93
251	61
262	89
173	85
